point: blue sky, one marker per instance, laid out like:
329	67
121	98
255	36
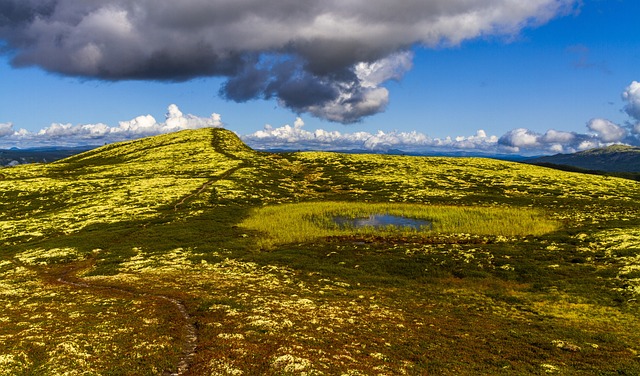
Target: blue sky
558	73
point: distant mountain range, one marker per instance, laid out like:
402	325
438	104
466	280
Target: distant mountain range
453	153
617	160
15	156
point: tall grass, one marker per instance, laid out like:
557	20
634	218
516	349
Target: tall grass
303	222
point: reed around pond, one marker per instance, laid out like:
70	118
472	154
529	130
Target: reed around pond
305	222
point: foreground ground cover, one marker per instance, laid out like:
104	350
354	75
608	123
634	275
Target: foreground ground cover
89	244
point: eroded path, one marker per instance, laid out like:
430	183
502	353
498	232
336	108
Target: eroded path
206	185
69	277
217	145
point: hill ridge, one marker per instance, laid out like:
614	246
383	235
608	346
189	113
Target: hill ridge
614	158
220	140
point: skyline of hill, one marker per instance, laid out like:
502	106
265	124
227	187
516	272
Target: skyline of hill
615	158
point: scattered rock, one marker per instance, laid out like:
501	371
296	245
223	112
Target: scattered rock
549	368
566	346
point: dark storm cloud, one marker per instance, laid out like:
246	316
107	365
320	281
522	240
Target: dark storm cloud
14	13
327	58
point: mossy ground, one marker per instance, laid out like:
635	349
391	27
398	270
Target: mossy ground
163	216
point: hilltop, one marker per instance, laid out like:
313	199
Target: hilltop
192	254
614	158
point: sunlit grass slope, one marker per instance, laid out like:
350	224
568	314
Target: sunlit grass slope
526	270
119	182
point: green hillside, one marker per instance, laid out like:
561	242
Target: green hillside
615	158
191	254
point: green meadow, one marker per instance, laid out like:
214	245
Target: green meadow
313	221
192	254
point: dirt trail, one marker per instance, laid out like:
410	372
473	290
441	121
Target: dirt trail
206	185
215	144
70	278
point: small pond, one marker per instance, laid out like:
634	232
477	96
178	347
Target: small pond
379	221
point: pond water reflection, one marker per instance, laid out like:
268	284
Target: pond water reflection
379	221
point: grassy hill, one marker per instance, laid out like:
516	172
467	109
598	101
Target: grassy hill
192	254
615	158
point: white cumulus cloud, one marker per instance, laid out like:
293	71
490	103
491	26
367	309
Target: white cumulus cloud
632	96
525	141
520	138
297	137
91	134
6	129
607	131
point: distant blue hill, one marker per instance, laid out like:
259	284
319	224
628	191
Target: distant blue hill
39	154
459	153
615	158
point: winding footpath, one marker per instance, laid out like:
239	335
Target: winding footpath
206	185
70	277
215	144
189	329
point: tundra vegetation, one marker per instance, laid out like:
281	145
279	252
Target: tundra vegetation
123	259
